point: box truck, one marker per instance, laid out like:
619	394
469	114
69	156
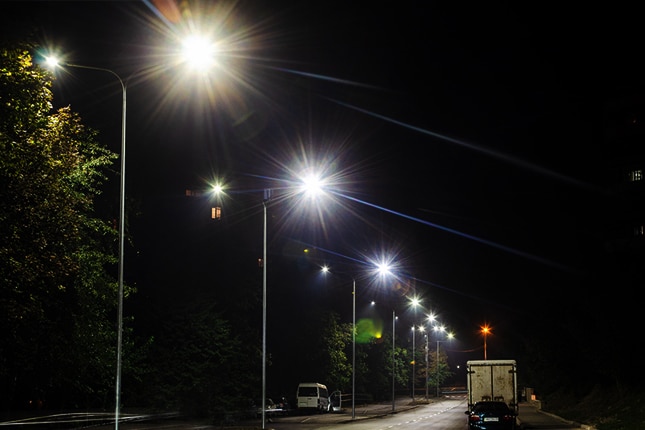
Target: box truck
492	380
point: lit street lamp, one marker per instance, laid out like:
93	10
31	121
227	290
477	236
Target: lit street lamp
310	186
53	63
414	303
413	361
449	337
393	361
265	201
485	329
325	269
427	369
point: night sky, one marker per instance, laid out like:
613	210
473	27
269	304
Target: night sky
464	141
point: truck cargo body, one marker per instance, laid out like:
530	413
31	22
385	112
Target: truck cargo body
492	380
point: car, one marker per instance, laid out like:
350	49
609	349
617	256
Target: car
491	415
273	409
270	410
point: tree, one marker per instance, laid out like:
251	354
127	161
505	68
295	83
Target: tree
336	337
201	367
438	368
58	298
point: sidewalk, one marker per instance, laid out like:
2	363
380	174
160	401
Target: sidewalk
532	417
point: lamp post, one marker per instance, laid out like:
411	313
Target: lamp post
413	360
437	370
265	201
311	186
485	331
325	269
353	349
414	302
427	369
53	62
393	361
449	337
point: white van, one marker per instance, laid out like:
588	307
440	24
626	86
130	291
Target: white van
312	396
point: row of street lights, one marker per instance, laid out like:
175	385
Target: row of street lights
267	196
437	328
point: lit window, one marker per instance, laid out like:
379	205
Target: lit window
636	175
639	230
216	213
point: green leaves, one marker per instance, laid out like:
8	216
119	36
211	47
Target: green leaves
58	297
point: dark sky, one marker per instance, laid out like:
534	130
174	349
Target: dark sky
464	139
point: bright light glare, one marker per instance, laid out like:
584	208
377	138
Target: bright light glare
198	52
439	328
312	185
217	189
383	269
52	62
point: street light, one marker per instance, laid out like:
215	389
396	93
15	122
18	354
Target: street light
312	187
422	328
485	329
53	63
265	201
393	362
414	303
325	269
450	336
413	360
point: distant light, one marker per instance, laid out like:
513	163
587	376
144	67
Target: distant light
217	189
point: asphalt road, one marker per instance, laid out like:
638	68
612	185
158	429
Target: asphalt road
530	417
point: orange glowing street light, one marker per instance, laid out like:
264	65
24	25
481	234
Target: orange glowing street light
486	330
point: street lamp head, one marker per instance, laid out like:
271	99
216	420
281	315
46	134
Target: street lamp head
52	62
199	53
312	185
217	189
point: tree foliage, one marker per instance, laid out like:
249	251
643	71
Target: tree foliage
335	338
200	366
438	368
58	298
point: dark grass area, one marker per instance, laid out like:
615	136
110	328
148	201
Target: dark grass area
604	408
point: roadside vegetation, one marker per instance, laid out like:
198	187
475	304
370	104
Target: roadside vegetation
604	408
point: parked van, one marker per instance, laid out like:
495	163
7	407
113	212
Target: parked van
312	396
